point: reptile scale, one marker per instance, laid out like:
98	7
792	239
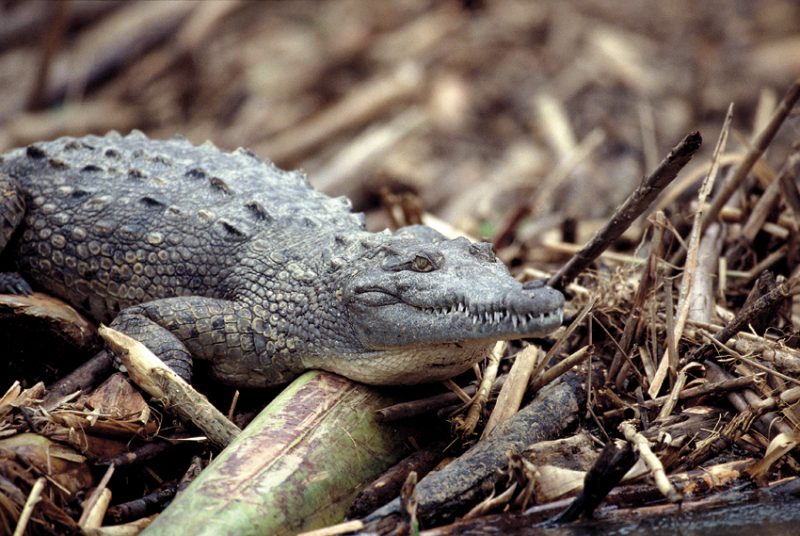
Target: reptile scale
222	257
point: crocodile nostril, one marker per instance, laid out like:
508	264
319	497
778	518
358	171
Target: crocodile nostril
533	284
483	251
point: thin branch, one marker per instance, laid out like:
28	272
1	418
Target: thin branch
758	147
634	205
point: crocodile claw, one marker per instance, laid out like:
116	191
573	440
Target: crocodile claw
13	283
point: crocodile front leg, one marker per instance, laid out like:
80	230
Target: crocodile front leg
225	333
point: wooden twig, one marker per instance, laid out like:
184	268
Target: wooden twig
646	283
467	426
701	299
674	396
88	374
141	506
30	504
387	486
587	308
744	318
349	169
98	499
642	446
759	145
758	216
404	410
634	205
690	267
409	503
560	368
348	527
748	401
510	397
355	109
707	388
157	379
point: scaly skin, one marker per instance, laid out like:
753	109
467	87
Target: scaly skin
226	259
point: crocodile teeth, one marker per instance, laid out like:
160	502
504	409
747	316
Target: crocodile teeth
514	321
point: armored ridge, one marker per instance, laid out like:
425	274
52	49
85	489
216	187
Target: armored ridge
225	258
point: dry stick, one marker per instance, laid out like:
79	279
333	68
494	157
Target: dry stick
779	356
751	362
510	397
672	399
790	396
98	511
764	207
232	408
158	380
90	373
95	496
491	503
701	298
758	216
558	246
648	278
467	427
760	143
634	205
560	368
344	171
702	390
688	181
642	446
789	185
355	109
347	527
411	408
690	267
764	303
759	268
698	300
457	390
774	423
672	342
563	338
30	504
752	413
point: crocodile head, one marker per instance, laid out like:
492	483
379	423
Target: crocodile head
424	308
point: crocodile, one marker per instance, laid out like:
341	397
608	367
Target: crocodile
222	258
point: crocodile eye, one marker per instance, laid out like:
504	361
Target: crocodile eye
422	264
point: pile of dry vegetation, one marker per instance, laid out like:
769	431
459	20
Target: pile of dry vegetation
523	123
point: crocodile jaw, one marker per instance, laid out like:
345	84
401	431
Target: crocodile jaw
408	365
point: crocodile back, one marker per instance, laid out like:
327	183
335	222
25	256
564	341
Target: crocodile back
112	221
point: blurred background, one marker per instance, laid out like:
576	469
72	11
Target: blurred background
501	117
